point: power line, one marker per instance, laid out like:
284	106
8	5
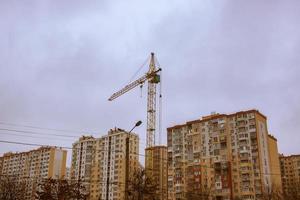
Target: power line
45	128
30	136
28	144
42	133
62	147
37	133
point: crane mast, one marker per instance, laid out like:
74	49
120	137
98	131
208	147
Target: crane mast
151	106
153	79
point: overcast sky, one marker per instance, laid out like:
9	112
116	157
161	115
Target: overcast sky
61	60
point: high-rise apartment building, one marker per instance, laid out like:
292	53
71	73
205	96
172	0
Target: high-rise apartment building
222	156
113	163
32	167
290	174
68	173
1	164
82	158
274	165
96	172
100	163
156	168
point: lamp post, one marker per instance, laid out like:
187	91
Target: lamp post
127	159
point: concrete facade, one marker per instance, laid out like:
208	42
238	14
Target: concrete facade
32	167
156	168
221	156
100	163
112	163
290	174
82	158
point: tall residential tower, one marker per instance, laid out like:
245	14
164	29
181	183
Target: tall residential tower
290	172
100	163
112	162
82	158
32	167
222	156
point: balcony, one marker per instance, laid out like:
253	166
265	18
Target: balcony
246	164
252	129
217	167
224	191
218	184
217	159
246	191
224	165
254	148
244	150
243	137
245	171
244	156
253	136
223	139
245	178
178	165
179	187
241	123
177	154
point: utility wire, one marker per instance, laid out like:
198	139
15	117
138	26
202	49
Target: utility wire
30	136
37	133
44	128
44	133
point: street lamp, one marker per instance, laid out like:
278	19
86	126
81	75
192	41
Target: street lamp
127	159
136	124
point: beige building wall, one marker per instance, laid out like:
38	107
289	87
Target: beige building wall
1	165
31	168
57	166
156	168
290	174
100	163
274	164
223	156
112	163
82	159
96	171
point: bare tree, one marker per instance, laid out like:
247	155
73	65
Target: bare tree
52	189
11	188
78	191
293	192
142	187
273	193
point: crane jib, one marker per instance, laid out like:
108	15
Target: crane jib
151	77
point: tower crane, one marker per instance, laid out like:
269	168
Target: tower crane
153	78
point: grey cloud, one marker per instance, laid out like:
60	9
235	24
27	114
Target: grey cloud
60	61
